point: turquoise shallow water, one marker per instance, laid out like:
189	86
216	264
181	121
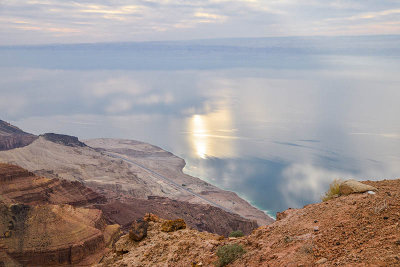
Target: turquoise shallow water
273	119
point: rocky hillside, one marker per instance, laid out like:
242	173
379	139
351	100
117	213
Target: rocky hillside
197	216
358	229
125	169
50	221
44	222
13	137
21	186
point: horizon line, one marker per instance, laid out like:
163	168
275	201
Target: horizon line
194	40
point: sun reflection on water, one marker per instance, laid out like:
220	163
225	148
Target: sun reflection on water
211	134
199	136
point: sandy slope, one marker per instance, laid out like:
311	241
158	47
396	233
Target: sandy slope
119	179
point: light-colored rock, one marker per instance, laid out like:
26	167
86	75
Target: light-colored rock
321	261
352	186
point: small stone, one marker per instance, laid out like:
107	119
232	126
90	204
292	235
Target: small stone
385	218
7	234
337	243
315	221
397	242
321	261
316	229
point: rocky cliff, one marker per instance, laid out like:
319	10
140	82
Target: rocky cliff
12	137
20	186
43	221
359	229
50	221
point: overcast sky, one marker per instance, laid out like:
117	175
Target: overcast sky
64	21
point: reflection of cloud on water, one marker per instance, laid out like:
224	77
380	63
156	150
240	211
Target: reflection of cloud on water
386	135
306	183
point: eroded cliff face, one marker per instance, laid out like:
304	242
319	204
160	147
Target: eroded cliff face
50	221
360	229
44	222
50	234
12	137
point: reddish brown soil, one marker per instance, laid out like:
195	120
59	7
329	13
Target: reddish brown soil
354	230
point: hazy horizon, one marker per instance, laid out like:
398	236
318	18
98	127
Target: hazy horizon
60	21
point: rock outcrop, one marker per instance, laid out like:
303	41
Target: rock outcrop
66	140
12	137
173	225
138	230
352	186
177	248
351	230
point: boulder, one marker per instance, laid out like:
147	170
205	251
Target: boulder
352	186
138	230
173	225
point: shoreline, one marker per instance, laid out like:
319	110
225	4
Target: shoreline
188	172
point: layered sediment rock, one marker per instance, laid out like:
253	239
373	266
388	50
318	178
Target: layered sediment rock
38	227
20	186
12	137
50	234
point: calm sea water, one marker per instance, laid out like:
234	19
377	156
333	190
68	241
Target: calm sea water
273	119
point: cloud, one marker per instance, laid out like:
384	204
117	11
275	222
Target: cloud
119	105
12	104
112	86
55	21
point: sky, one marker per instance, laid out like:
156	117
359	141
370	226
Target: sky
62	21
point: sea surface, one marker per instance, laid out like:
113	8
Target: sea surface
273	119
